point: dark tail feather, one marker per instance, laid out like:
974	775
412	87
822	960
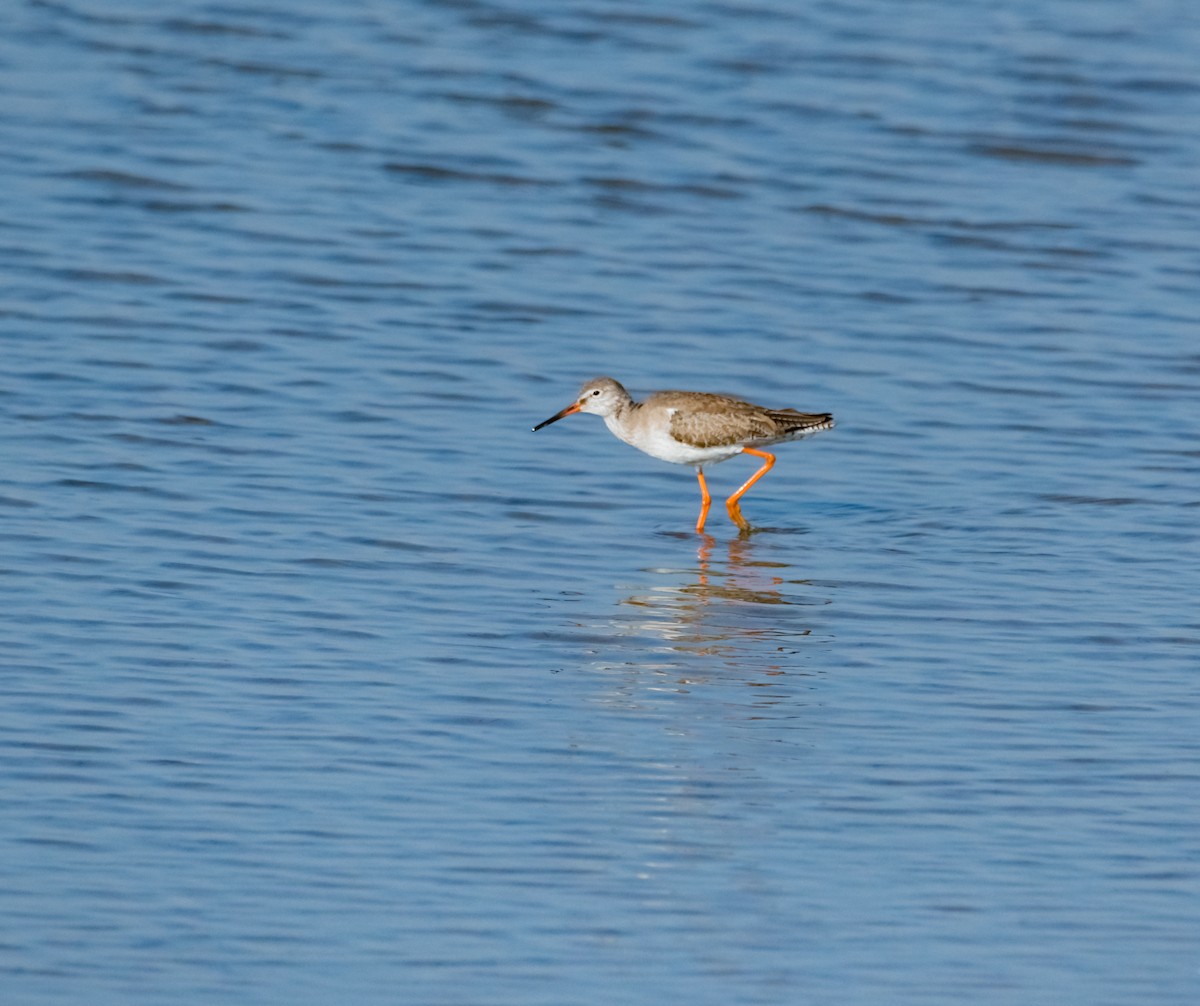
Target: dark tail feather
791	421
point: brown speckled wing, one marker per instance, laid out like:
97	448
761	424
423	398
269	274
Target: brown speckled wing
715	421
721	422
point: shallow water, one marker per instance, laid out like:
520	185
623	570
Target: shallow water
326	680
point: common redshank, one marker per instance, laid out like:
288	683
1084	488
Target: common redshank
695	428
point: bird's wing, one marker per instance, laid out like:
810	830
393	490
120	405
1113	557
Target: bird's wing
721	423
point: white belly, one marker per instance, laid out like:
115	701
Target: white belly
657	441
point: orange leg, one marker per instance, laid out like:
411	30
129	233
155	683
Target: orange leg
731	504
705	500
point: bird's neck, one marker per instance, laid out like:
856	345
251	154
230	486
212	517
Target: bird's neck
620	420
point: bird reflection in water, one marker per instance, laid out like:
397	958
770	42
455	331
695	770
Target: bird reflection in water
728	608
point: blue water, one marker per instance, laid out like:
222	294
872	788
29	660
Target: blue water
325	680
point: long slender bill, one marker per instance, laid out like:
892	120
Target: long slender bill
557	416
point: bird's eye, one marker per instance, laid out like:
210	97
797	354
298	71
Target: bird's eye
595	393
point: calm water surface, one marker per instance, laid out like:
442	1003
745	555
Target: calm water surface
325	680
